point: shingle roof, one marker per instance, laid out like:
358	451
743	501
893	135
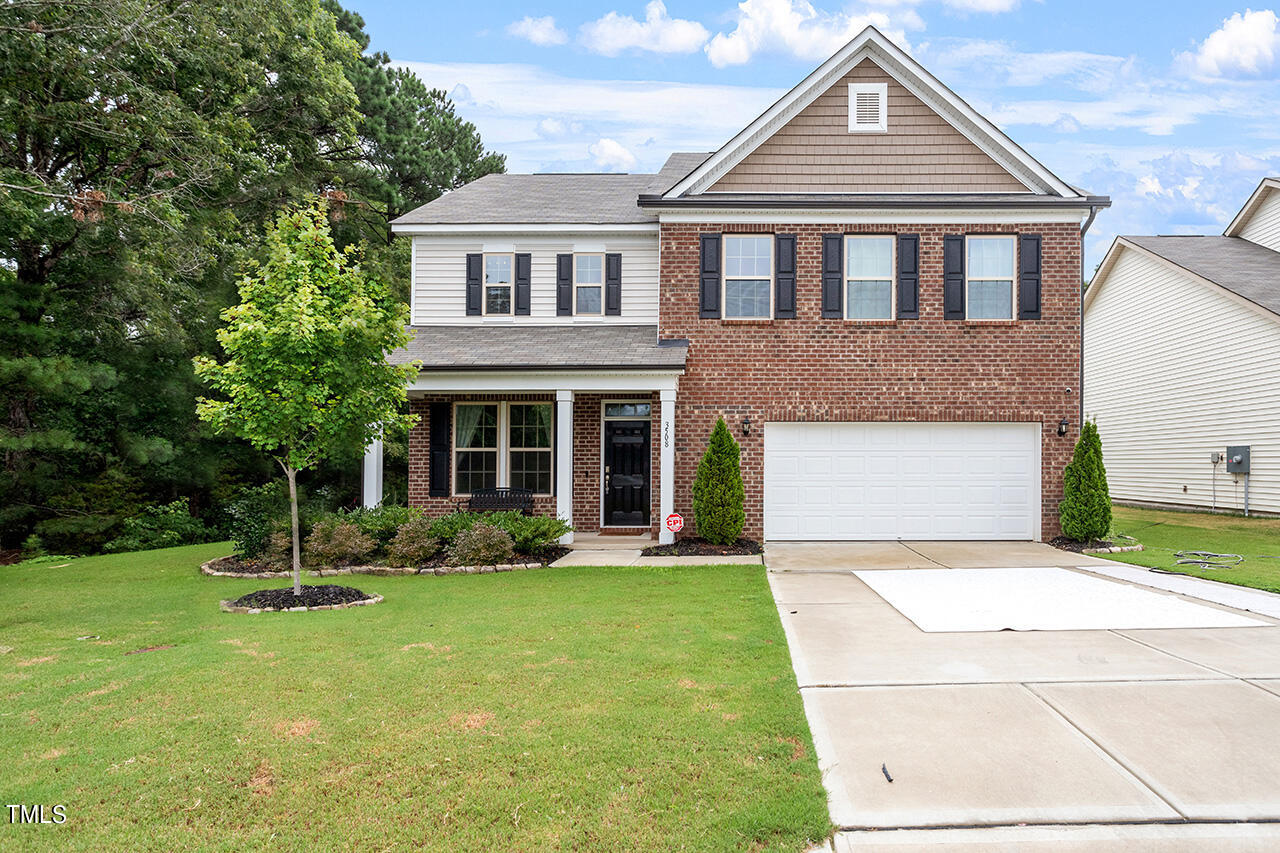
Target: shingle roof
673	171
591	199
541	347
1244	268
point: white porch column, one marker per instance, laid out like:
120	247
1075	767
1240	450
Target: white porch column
371	475
564	460
667	465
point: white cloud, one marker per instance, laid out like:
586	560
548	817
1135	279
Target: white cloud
992	6
657	33
541	31
1247	44
611	155
796	28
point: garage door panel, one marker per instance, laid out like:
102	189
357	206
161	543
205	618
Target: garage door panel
902	481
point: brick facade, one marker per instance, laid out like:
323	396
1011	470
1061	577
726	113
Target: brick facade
815	369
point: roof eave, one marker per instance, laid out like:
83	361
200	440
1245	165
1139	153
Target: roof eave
834	201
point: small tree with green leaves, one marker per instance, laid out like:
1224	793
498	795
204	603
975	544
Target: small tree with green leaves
717	489
306	376
1085	511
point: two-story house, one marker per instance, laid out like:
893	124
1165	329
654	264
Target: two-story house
875	287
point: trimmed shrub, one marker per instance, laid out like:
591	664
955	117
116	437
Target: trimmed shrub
278	552
161	526
335	542
481	545
381	523
253	516
447	527
532	533
413	544
717	489
1085	511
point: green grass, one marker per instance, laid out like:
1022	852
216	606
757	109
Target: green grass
1163	532
558	709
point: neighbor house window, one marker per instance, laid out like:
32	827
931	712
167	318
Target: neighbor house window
530	446
869	278
498	270
989	278
588	283
475	447
748	277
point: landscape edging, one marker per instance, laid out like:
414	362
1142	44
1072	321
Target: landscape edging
1114	549
228	607
207	569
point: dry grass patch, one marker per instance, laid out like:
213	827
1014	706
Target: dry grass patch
296	728
477	719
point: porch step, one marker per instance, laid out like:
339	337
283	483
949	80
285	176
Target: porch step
610	542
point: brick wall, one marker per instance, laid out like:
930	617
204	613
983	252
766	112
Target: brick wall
928	369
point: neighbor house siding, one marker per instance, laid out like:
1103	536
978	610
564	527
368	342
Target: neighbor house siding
439	276
815	152
1263	227
1174	369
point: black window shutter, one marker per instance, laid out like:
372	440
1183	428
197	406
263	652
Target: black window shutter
475	269
953	277
908	276
613	284
1029	277
784	278
438	457
709	277
564	285
832	275
523	271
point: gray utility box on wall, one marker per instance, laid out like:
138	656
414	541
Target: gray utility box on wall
1238	459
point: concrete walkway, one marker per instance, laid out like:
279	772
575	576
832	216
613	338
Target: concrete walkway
1034	740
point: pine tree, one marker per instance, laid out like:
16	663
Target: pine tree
717	489
1085	511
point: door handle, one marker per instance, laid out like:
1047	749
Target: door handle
607	478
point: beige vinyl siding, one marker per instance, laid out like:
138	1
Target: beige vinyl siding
439	276
815	152
1263	227
1175	369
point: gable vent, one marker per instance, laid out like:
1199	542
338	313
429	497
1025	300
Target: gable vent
868	107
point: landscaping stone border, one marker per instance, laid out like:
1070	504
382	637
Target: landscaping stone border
1114	549
228	607
386	571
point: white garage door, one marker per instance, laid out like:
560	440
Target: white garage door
901	481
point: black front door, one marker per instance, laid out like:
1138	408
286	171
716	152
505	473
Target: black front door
626	473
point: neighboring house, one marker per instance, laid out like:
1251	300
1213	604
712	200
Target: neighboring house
874	286
1182	360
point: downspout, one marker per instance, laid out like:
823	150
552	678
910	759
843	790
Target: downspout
1084	229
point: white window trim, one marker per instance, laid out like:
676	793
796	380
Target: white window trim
1013	279
484	285
504	443
726	278
893	278
577	255
881	91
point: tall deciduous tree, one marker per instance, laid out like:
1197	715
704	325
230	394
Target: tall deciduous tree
306	376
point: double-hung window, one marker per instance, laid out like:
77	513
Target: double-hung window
869	278
989	278
498	275
502	444
748	277
588	284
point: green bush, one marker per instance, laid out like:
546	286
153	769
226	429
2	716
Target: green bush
529	533
161	526
717	489
447	527
335	542
381	523
413	543
481	545
1085	511
253	516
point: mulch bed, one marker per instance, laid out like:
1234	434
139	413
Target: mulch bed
260	568
545	557
312	596
696	547
1062	543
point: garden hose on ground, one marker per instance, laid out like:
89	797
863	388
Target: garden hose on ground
1207	559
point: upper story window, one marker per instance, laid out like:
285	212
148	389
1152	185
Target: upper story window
588	284
869	278
989	278
748	277
498	274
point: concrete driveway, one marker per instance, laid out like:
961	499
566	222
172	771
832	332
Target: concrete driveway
1030	740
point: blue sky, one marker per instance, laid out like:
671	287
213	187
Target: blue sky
1172	109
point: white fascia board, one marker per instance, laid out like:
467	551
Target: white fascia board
858	216
1237	225
488	381
525	228
870	43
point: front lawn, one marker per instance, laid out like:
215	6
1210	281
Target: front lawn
554	709
1164	532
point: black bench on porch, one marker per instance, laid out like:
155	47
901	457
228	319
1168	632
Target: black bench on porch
499	500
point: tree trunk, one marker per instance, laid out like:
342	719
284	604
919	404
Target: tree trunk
293	513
